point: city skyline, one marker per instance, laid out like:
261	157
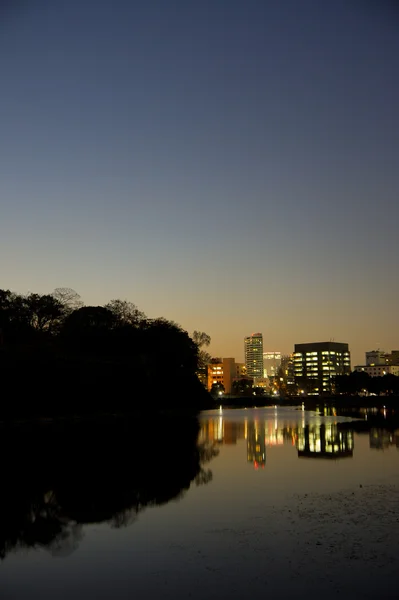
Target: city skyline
230	166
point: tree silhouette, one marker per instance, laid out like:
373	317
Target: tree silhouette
201	339
69	299
44	312
126	313
242	387
47	348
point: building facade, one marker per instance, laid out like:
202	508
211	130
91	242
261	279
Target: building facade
225	373
316	365
376	357
271	363
380	363
378	370
253	352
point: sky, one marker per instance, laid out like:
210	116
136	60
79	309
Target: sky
232	165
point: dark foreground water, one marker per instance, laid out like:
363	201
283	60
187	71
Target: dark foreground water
247	502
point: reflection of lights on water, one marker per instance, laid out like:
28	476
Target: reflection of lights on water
220	408
220	429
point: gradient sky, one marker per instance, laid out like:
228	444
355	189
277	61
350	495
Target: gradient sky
231	165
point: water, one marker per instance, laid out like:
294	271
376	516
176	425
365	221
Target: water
257	501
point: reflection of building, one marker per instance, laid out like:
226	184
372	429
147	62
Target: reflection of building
324	441
231	432
271	363
274	435
219	430
253	350
225	373
318	440
256	446
380	439
317	364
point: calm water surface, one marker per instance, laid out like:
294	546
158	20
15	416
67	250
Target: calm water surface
242	502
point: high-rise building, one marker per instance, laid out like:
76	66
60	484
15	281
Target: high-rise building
271	363
253	351
317	364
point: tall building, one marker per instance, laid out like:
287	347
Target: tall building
271	363
317	364
253	351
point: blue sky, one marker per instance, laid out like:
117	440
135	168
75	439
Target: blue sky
231	165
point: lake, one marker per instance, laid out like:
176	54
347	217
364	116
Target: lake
239	502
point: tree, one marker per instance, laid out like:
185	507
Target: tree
89	328
15	323
44	312
90	318
69	299
126	313
242	387
163	338
259	391
390	384
217	390
201	339
354	383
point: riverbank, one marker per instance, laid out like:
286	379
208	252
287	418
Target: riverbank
310	403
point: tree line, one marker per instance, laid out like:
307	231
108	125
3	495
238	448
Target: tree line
58	356
361	382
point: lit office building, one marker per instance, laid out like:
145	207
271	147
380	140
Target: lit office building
253	351
317	364
271	363
225	373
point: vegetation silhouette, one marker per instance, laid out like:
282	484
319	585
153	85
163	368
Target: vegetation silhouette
61	477
58	357
361	382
